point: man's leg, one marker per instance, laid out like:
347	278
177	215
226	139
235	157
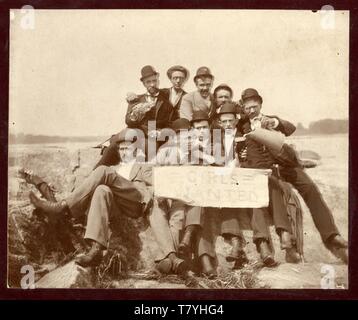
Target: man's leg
205	243
193	224
261	235
278	209
231	231
176	220
167	259
321	214
97	229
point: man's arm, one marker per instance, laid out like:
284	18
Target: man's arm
274	122
186	108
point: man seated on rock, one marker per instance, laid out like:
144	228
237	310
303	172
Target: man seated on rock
176	213
232	137
127	186
260	156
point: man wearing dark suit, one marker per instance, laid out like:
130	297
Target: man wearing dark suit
260	156
230	220
177	75
150	106
201	99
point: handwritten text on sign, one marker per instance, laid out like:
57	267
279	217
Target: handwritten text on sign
213	186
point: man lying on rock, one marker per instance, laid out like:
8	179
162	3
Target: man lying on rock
127	185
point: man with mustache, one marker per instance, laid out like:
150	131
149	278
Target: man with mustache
150	106
259	155
201	99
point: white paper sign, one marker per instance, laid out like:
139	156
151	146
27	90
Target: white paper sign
219	187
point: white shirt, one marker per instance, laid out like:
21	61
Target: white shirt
174	96
229	140
124	169
150	98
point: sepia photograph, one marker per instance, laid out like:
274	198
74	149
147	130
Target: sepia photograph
178	149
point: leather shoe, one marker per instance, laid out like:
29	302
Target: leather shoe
240	261
292	256
207	268
92	258
338	247
237	250
337	242
164	266
266	254
179	266
48	206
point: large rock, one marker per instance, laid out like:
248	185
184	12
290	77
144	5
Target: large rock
68	276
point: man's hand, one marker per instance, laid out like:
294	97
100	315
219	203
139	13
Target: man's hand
269	123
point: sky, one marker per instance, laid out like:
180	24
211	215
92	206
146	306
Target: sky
70	73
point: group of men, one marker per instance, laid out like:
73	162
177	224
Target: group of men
121	182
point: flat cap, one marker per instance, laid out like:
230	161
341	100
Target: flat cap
177	68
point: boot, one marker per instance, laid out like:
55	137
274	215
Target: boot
266	254
164	266
207	268
178	266
93	257
184	249
292	256
338	247
48	206
237	251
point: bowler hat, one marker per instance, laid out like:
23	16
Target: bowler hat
223	86
147	71
228	107
200	116
177	68
249	94
203	72
180	124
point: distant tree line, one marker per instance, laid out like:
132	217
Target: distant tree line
34	139
324	126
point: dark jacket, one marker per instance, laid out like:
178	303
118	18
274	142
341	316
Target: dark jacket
259	156
161	113
175	108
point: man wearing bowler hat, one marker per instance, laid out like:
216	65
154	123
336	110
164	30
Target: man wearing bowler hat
150	106
201	99
177	75
292	173
232	142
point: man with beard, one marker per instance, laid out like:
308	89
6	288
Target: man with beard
259	155
177	75
201	99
